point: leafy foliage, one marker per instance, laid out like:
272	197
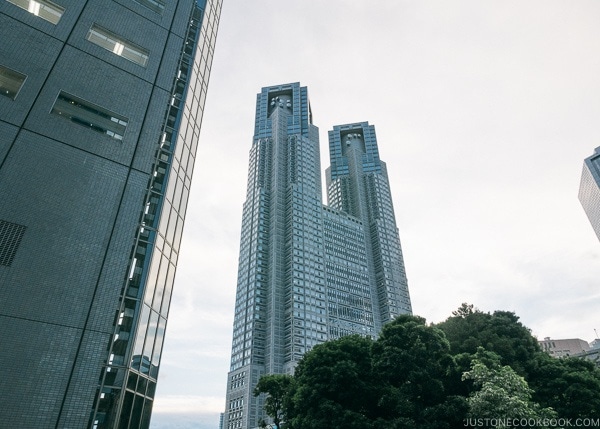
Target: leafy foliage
276	387
423	376
412	362
500	332
569	385
397	381
502	393
334	386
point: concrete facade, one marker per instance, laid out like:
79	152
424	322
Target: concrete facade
564	348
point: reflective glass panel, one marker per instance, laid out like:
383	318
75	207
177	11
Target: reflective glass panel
155	5
113	43
45	9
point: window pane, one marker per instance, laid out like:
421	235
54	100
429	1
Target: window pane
160	336
89	115
115	44
156	5
10	82
137	359
150	336
45	9
11	235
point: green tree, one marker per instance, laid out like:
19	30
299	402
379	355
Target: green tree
398	381
333	386
465	310
500	332
276	387
502	393
569	385
413	365
423	376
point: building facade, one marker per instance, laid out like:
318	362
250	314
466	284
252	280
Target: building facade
589	190
565	347
100	110
309	272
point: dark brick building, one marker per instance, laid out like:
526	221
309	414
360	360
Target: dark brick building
100	109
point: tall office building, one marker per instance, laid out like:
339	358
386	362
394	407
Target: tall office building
589	190
100	109
308	272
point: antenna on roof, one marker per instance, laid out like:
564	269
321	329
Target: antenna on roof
596	332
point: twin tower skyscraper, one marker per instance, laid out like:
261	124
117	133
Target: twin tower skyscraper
309	272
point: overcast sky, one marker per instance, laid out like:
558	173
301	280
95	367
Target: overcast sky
484	112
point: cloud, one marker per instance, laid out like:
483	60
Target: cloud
194	404
184	420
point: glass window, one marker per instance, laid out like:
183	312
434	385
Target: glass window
11	235
157	6
90	115
10	82
150	336
45	9
115	44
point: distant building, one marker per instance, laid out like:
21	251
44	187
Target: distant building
592	354
564	348
308	272
589	190
595	344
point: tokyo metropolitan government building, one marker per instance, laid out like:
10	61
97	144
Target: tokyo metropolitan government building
309	272
100	109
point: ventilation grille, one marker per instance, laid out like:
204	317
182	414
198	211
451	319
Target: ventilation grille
10	238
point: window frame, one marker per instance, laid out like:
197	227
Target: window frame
157	6
45	9
116	44
82	112
11	78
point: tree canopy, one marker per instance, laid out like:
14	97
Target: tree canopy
500	332
413	367
421	376
333	386
276	387
501	392
571	386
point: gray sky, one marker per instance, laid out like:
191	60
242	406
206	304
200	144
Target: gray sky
484	111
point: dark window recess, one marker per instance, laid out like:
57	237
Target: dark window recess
10	82
10	238
90	115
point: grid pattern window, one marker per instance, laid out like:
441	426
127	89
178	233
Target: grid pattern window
45	9
589	192
90	115
10	82
117	45
10	238
157	6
